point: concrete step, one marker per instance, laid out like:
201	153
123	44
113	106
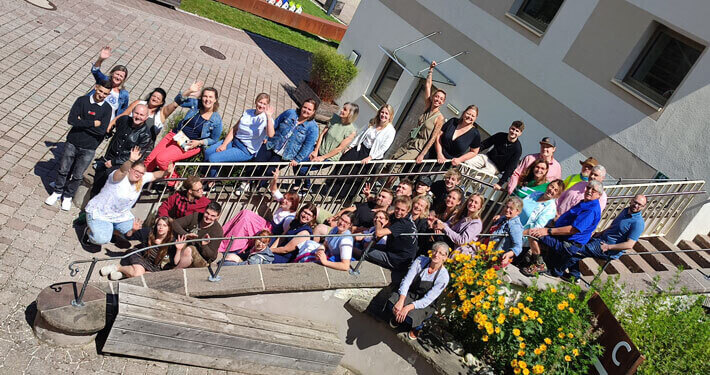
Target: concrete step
656	261
701	257
680	260
635	263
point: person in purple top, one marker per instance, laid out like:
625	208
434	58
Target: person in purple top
568	235
611	243
465	226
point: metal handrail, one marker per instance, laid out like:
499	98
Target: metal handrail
651	195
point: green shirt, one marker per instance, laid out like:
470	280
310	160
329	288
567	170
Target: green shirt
335	135
523	191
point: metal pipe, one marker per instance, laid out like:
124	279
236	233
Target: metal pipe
356	270
445	60
670	194
215	277
77	302
394	52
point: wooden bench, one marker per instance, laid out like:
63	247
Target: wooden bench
174	328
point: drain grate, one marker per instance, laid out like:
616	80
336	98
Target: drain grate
213	52
44	4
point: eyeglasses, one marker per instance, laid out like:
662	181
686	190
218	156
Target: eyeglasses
198	189
137	171
309	213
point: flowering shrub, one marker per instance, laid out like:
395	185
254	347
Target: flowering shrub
536	332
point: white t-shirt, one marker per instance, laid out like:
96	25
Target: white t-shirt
112	100
252	129
368	139
281	215
114	202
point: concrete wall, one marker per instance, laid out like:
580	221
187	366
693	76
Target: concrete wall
559	83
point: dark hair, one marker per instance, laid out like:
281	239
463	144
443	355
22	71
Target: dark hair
407	181
351	216
215	107
294	198
105	83
159	91
190	182
119	68
163	250
518	124
214	206
561	184
263	232
311	207
431	98
529	175
315	107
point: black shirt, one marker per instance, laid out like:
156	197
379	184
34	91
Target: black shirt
364	216
82	115
454	148
504	154
401	248
126	137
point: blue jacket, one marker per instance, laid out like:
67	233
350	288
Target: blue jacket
300	139
514	229
122	94
211	130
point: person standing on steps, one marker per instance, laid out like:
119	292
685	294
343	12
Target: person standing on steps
89	118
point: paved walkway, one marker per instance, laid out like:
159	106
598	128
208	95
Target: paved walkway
44	66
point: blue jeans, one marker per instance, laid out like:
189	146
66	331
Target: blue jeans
561	254
236	151
74	162
592	249
102	231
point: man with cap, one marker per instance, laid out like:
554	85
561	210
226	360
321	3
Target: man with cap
547	153
587	166
422	186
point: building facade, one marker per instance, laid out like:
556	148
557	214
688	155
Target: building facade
624	81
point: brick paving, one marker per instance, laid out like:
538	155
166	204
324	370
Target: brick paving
45	58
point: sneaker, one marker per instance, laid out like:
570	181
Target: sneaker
66	204
52	199
107	270
393	323
412	335
115	275
243	188
533	269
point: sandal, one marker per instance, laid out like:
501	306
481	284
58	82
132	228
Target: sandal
534	269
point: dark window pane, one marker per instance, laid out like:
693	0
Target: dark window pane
383	89
539	13
662	66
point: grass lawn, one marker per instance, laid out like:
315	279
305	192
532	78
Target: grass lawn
255	24
314	10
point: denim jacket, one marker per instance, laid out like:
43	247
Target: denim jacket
514	229
300	139
211	130
122	94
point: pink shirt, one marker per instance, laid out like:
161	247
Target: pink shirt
553	173
574	195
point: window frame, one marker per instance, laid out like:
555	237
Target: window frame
643	89
531	21
373	93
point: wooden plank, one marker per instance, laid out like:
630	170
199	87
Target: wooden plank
195	323
211	305
254	343
175	356
227	317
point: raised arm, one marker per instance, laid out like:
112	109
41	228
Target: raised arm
96	68
123	170
428	84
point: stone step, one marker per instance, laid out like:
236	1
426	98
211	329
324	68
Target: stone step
700	257
635	263
680	260
656	261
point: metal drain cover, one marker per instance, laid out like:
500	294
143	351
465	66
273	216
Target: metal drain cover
213	52
44	4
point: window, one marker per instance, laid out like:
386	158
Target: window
385	84
539	13
662	65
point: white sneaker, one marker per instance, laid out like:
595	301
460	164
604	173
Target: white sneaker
66	204
52	199
106	270
115	275
243	188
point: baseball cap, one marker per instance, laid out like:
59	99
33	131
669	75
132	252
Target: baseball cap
590	161
424	180
548	141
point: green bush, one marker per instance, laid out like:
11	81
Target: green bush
672	332
331	73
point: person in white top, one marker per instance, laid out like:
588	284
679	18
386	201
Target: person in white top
372	143
158	112
110	210
246	136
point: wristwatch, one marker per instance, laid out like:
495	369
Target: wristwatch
549	231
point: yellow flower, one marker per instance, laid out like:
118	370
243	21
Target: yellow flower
516	332
522	345
515	310
570	296
529	299
501	319
543	347
571	310
497	329
499	282
575	352
539	320
538	369
560	306
520	305
526	371
561	335
522	364
521	353
524	318
485	338
517	370
521	339
553	290
486	305
514	363
570	335
537	351
568	358
559	329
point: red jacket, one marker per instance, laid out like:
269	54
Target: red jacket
177	206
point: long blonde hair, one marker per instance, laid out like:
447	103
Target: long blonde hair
376	120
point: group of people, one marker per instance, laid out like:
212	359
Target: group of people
546	224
